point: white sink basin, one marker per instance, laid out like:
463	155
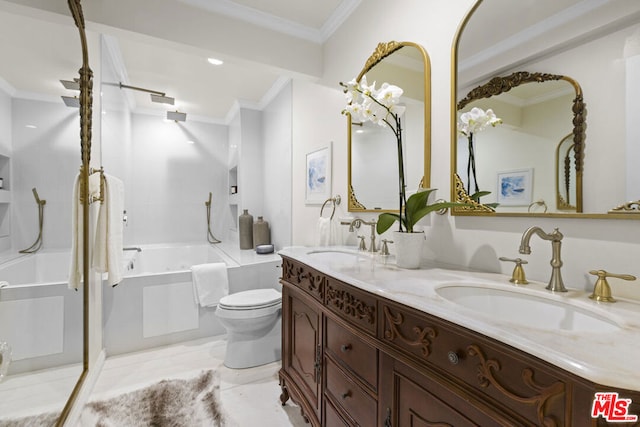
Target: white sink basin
337	255
525	309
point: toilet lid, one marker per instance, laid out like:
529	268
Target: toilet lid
248	300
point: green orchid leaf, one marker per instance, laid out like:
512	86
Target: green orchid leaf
476	196
385	221
416	202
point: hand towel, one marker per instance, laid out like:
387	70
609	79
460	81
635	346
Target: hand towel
210	283
324	231
328	233
107	250
75	268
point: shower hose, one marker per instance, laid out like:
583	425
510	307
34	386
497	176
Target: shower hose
210	237
38	243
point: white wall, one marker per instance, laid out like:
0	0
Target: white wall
317	123
472	241
167	180
276	175
46	158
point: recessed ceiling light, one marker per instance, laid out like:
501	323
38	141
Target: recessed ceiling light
190	142
31	126
215	61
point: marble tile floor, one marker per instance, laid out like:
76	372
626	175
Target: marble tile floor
249	397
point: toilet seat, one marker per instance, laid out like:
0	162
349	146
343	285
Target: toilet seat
250	300
250	304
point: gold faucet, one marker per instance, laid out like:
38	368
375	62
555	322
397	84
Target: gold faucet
517	277
602	290
356	223
555	283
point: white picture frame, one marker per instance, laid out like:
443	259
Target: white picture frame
318	176
514	188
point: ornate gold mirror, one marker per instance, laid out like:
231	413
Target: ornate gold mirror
596	44
516	163
372	156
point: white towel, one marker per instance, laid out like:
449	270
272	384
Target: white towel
107	247
328	232
210	283
75	268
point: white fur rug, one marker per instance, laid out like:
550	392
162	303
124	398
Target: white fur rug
169	403
190	402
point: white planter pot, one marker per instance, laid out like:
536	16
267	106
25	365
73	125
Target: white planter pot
408	249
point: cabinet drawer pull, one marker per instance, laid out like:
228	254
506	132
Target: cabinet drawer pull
346	394
453	357
345	347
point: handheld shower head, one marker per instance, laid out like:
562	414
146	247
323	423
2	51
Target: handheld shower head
35	195
209	202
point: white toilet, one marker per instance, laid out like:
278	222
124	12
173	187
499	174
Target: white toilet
253	323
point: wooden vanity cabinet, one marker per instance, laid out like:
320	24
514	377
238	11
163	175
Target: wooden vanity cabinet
351	358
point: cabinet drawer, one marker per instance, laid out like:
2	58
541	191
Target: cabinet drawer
486	367
347	395
358	356
331	416
357	307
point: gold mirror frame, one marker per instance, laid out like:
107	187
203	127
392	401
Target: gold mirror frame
86	101
382	51
497	86
563	184
629	210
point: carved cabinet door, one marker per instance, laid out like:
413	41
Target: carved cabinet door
302	350
410	398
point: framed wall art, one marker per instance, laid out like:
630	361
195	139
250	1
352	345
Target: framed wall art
318	176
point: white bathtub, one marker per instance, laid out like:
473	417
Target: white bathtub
152	306
39	316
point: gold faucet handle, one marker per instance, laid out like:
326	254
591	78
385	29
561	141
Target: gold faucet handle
602	290
517	277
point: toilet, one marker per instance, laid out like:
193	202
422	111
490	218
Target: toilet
253	323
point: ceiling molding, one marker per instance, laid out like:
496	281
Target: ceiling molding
276	23
558	20
337	18
7	88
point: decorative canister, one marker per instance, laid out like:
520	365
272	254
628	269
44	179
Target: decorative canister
261	232
245	226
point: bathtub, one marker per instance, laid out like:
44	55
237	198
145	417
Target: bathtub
152	306
155	305
40	317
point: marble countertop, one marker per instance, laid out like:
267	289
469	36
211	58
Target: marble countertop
610	358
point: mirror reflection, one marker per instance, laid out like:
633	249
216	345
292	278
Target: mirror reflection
41	320
514	161
372	148
596	45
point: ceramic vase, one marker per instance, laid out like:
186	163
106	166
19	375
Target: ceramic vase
408	249
261	233
245	226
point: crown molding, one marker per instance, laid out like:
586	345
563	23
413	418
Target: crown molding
276	23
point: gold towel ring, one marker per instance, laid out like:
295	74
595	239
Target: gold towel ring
539	203
335	201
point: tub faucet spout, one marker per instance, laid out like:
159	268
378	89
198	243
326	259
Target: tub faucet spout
132	249
555	283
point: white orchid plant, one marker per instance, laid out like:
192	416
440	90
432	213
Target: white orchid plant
382	106
472	122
